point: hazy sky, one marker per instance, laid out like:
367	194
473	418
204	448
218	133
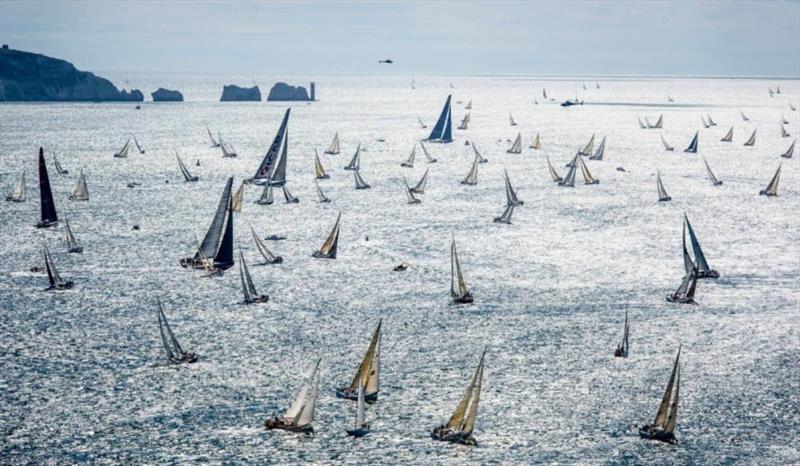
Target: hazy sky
709	38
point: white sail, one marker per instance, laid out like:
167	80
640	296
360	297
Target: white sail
710	121
360	183
472	412
660	122
666	145
728	136
587	149
227	149
330	246
714	180
187	176
214	143
705	123
287	196
301	398
556	177
262	248
641	123
321	197
419	188
511	195
355	162
238	199
458	287
772	187
81	192
516	148
472	176
506	215
319	170
307	414
537	144
587	177
19	193
662	193
72	243
409	163
410	198
752	140
123	153
266	195
601	150
481	158
428	157
569	178
334	147
787	154
361	408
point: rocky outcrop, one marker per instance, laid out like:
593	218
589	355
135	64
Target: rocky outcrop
234	93
31	77
166	95
283	91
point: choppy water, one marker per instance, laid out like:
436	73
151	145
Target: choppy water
81	375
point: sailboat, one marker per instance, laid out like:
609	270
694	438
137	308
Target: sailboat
472	177
481	158
428	157
251	296
569	178
355	162
409	163
287	196
443	131
138	146
692	149
744	117
300	415
216	250
667	147
685	292
56	282
269	257
266	195
544	93
464	122
175	354
556	177
622	347
663	428
458	288
419	188
72	244
587	149
214	142
792	107
714	180
333	149
19	193
505	217
670	99
123	153
361	428
331	244
422	124
777	89
772	188
641	123
360	183
511	195
710	121
238	199
587	177
227	149
59	169
410	198
413	83
601	150
728	136
273	166
705	123
786	155
662	193
319	170
784	121
537	144
597	85
459	427
321	197
368	371
187	177
752	140
784	133
47	206
659	123
702	268
469	105
516	148
81	192
511	120
647	123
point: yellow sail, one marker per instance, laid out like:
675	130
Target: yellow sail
332	237
238	199
457	419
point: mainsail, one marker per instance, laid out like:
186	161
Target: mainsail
18	194
214	143
334	147
419	188
268	256
601	149
458	288
138	146
569	178
227	149
273	167
319	170
360	183
248	287
728	136
81	192
705	123
666	145
464	122
511	195
53	277
784	133
59	169
72	243
703	270
218	242
662	193
667	412
752	140
511	120
123	153
266	195
463	418
287	196
641	123
409	163
660	122
714	180
693	145
710	121
587	177
587	149
238	199
787	155
321	197
410	198
556	177
505	217
47	206
442	131
428	157
472	176
331	244
516	148
369	369
355	162
537	144
185	171
481	158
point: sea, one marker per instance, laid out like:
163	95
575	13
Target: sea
83	374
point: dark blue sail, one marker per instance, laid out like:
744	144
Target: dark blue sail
48	207
224	257
443	130
270	169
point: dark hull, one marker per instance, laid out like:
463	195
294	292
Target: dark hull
366	186
454	437
278	424
348	393
664	199
466	299
708	274
500	220
659	435
407	165
320	255
46	224
357	432
592	182
677	300
259	300
277	260
766	193
323	177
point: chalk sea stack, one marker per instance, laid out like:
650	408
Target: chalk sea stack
282	92
234	93
166	95
32	77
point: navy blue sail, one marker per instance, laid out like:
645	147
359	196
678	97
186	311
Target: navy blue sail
224	257
273	167
212	242
443	130
48	207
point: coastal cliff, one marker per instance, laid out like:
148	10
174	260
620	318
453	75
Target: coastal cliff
234	93
282	92
31	77
166	95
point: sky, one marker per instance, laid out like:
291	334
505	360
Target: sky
534	38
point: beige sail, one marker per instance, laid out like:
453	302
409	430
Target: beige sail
306	416
334	147
238	199
19	192
457	420
587	149
458	287
661	416
472	413
587	177
366	371
319	171
673	411
537	144
333	237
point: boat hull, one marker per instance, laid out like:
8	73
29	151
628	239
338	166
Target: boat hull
76	250
707	274
65	285
278	424
357	432
678	300
659	435
46	224
466	299
454	437
322	255
347	393
764	192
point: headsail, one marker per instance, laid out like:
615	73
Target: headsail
72	243
334	147
211	242
428	157
587	149
296	409
472	176
319	170
421	123
744	117
464	122
463	418
569	179
752	140
409	163
714	180
355	162
511	195
663	408
442	131
410	198
516	148
287	196
693	144
123	153
321	197
601	149
47	206
268	256
19	193
369	369
214	143
81	192
458	288
787	154
419	188
59	169
360	183
784	133
662	193
248	287
266	195
505	217
587	177
728	136
511	120
666	145
556	177
660	122
185	171
331	244
273	167
700	259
